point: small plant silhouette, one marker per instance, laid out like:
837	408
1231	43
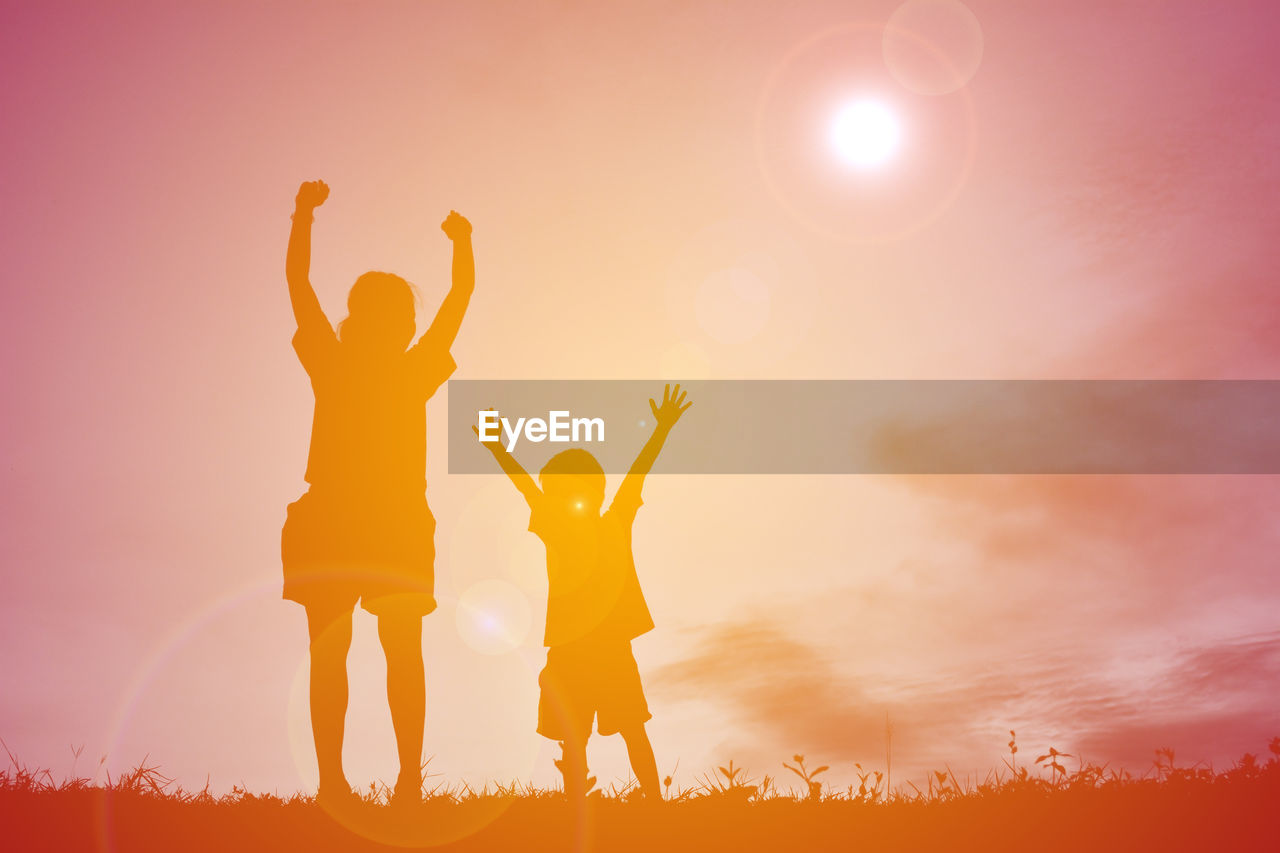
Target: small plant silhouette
734	785
943	785
865	794
1019	773
1164	763
810	777
1058	772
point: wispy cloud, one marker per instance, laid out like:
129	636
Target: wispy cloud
783	694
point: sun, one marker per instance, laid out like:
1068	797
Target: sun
865	134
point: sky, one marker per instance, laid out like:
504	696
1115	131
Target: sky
1080	191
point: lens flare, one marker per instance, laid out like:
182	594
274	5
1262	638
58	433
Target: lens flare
493	617
865	134
933	47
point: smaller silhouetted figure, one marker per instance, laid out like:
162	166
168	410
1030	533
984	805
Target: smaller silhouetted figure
594	604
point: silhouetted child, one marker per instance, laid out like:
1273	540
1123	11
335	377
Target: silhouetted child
363	531
594	604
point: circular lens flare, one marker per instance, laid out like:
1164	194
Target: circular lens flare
493	617
865	134
796	113
933	47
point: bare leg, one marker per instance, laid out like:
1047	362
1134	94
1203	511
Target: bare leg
401	637
573	766
643	764
330	640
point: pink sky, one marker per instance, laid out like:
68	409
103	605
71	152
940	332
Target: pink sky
1114	218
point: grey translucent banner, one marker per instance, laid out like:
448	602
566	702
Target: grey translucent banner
889	426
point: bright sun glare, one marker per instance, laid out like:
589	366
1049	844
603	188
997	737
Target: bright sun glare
865	134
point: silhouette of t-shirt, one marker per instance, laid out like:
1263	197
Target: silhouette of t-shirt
593	593
369	430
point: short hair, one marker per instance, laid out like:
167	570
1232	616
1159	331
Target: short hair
382	294
574	462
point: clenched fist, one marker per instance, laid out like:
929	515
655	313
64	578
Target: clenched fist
456	226
311	195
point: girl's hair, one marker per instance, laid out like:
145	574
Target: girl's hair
381	300
575	462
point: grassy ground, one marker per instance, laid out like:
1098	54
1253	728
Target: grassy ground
1088	809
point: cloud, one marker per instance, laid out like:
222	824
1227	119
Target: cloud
1118	554
784	690
783	695
1212	705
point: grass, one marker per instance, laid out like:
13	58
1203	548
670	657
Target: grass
1045	805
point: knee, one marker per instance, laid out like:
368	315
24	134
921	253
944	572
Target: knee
401	640
573	752
404	660
330	638
329	652
635	738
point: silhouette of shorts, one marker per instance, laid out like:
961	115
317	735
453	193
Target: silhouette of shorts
586	680
377	549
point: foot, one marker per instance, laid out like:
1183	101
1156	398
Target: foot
336	796
580	792
408	792
577	784
640	795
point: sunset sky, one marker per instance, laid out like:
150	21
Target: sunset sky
656	194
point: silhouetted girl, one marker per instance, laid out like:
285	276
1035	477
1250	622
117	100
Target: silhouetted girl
363	532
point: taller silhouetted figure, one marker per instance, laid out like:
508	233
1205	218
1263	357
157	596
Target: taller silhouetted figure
363	531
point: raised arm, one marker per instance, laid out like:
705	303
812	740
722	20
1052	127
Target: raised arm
665	417
519	477
444	328
297	263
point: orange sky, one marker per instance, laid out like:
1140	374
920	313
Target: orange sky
653	197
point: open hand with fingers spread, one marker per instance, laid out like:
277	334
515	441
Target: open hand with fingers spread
311	195
673	406
494	446
456	226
